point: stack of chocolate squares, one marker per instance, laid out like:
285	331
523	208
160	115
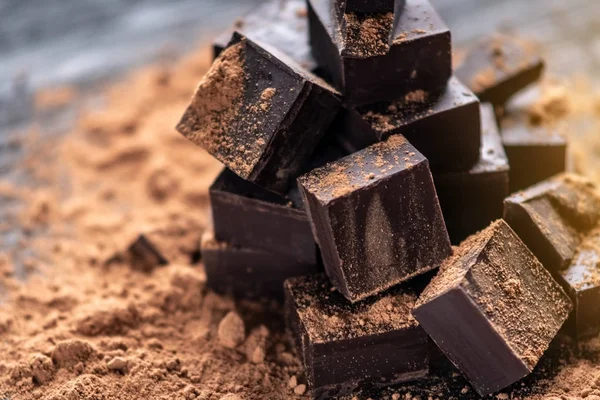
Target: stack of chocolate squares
363	156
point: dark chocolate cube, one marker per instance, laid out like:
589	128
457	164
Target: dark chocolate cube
499	66
376	218
445	128
534	153
493	309
282	24
551	216
471	200
345	346
581	280
249	216
246	272
380	57
259	114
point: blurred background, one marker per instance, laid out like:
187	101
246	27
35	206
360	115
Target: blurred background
82	42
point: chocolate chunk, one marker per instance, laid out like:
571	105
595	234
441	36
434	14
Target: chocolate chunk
247	272
534	152
345	346
445	128
279	23
249	216
380	57
550	217
154	248
376	218
581	280
471	200
493	309
368	6
499	66
259	113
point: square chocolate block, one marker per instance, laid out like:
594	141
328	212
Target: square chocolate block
471	200
499	66
550	217
246	272
282	24
259	113
376	218
345	346
581	280
380	57
445	128
534	152
249	216
493	309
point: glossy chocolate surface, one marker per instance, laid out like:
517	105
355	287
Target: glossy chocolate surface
376	218
471	200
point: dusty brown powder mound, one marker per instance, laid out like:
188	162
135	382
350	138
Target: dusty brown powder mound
80	329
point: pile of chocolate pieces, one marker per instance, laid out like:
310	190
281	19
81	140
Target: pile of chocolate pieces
352	146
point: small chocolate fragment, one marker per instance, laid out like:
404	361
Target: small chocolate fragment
445	128
552	216
259	114
345	346
376	218
493	309
152	249
246	272
471	200
279	23
249	216
581	280
499	66
383	56
534	152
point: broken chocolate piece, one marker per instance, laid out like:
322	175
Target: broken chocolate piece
281	24
152	249
471	200
259	114
493	309
246	272
445	128
499	66
581	280
345	346
376	218
249	216
380	57
552	216
534	152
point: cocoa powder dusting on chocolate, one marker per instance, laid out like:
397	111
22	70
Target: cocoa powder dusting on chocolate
367	36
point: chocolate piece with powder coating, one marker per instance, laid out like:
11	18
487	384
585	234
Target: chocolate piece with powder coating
259	113
346	346
376	217
445	128
382	56
493	309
